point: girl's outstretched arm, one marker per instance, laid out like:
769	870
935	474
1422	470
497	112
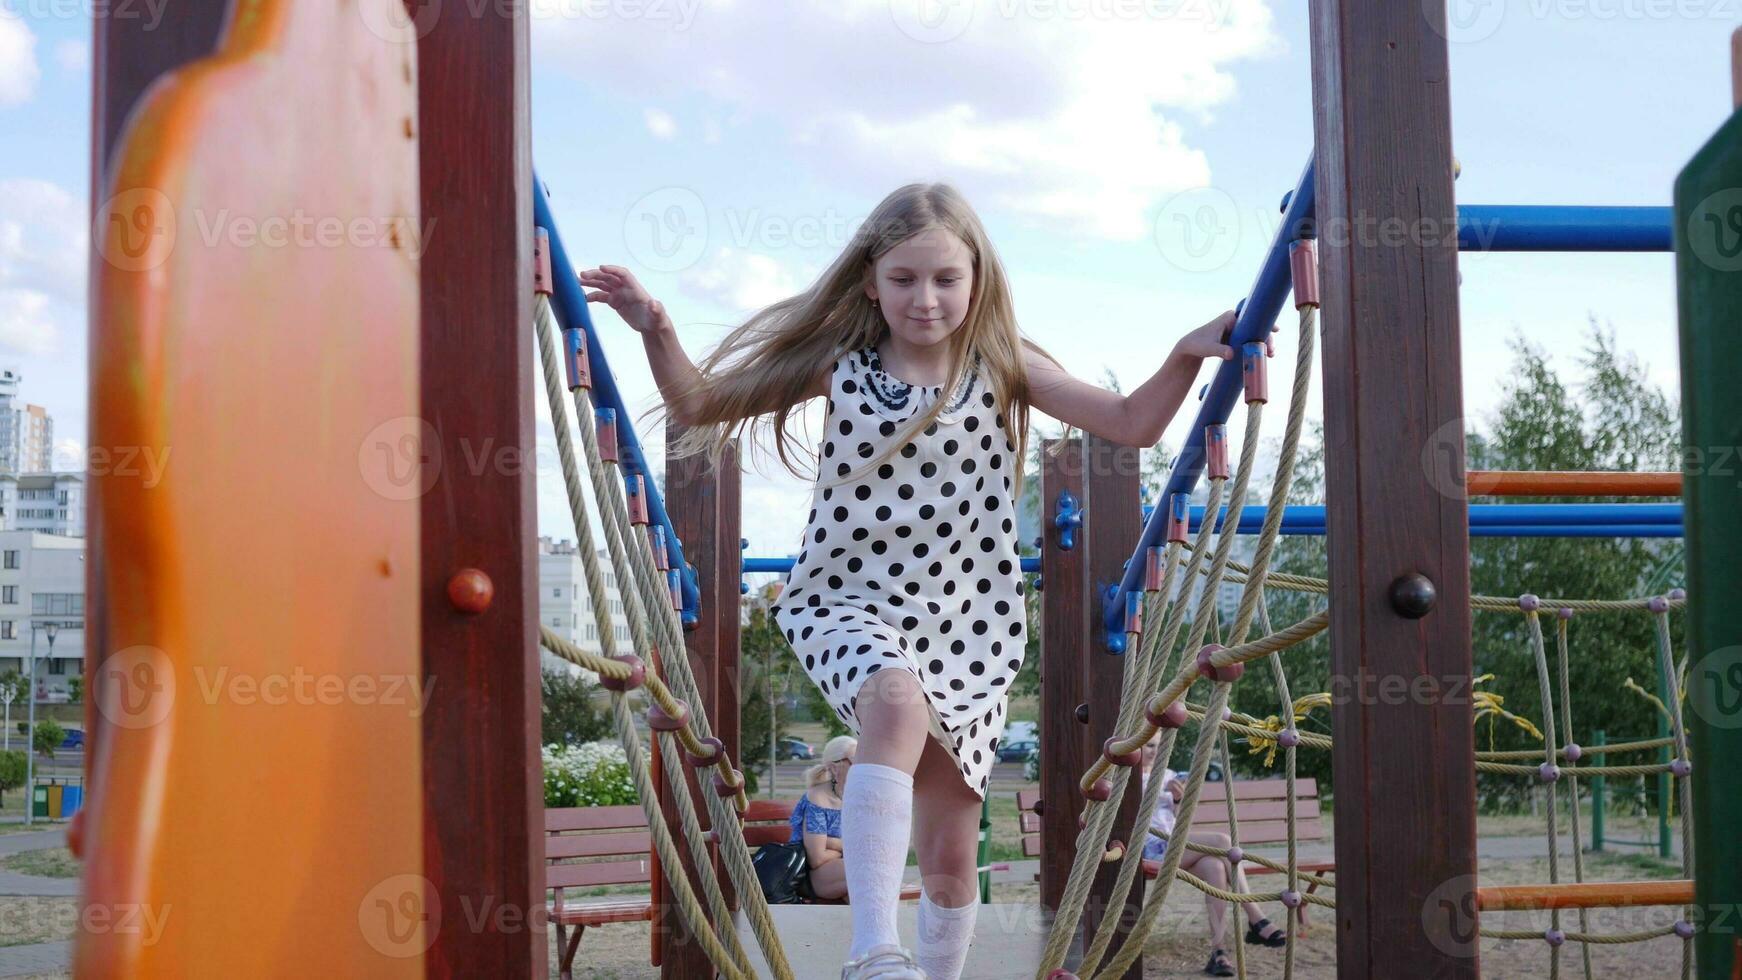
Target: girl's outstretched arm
673	371
1137	419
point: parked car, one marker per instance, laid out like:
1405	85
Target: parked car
792	748
1016	749
75	739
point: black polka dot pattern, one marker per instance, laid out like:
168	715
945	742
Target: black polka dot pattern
925	575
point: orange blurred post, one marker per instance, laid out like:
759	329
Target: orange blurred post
1548	483
1584	895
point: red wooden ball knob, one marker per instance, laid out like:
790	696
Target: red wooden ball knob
1221	675
1172	716
470	590
1119	758
1101	791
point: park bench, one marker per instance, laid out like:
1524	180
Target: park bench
592	847
1261	805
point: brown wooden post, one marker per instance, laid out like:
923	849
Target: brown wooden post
1404	765
1062	738
703	504
1112	523
483	793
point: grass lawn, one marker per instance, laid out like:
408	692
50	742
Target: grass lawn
53	862
36	920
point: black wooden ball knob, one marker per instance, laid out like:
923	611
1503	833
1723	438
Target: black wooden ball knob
1413	595
1083	712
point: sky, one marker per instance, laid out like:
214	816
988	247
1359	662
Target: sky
1126	156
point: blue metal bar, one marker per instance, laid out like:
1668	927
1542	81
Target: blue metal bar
1256	320
1554	228
569	304
1301	518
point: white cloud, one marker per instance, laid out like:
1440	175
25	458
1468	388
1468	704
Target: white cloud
18	68
73	55
1067	112
42	238
661	124
25	325
740	281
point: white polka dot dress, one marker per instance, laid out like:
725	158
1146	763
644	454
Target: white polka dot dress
913	566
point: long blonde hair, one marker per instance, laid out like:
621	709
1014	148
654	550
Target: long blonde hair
767	365
833	752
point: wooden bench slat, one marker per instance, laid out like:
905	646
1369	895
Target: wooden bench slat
1260	789
600	913
596	873
595	818
557	846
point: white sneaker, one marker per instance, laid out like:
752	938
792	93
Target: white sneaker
883	962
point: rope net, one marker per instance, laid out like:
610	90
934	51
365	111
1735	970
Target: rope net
1159	669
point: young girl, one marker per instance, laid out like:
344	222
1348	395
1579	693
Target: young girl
906	602
816	818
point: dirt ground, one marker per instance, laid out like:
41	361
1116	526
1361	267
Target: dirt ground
1180	946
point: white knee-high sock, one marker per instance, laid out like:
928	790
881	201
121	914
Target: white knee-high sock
944	934
876	823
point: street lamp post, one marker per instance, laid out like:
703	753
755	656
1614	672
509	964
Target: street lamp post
7	695
52	629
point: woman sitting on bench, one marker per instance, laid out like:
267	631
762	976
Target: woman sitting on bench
1214	871
816	818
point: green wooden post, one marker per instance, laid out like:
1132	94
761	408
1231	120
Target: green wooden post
1599	738
1708	230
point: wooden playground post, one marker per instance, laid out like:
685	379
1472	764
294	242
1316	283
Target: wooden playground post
483	792
1404	755
1112	520
704	506
1063	740
1709	279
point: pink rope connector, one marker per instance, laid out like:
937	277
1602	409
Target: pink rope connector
1254	373
1178	518
607	424
1216	451
656	535
637	487
575	360
1153	568
1303	267
541	263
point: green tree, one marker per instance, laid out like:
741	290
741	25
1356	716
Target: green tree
13	766
15	680
571	716
47	737
75	690
1613	418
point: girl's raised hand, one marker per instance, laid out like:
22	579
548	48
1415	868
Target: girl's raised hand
1209	340
618	288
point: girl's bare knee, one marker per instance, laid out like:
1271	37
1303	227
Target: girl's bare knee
890	697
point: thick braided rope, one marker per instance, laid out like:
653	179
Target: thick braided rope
1091	845
670	762
1581	937
1286	699
1572	780
1650	743
1533	622
1082	873
1291	582
1132	948
1672	688
1312	879
1159	651
1237	897
725	815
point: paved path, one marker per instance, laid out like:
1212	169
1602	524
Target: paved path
52	957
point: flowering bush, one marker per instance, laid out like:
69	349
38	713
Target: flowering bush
591	774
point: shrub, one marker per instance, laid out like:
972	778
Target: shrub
591	774
48	737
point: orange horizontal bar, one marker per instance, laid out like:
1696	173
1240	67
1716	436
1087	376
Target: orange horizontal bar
1549	483
1584	895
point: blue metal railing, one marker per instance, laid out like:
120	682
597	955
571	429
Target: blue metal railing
569	305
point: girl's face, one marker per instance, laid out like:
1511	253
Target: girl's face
840	768
923	285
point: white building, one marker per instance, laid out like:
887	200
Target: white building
565	606
51	503
26	431
42	580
